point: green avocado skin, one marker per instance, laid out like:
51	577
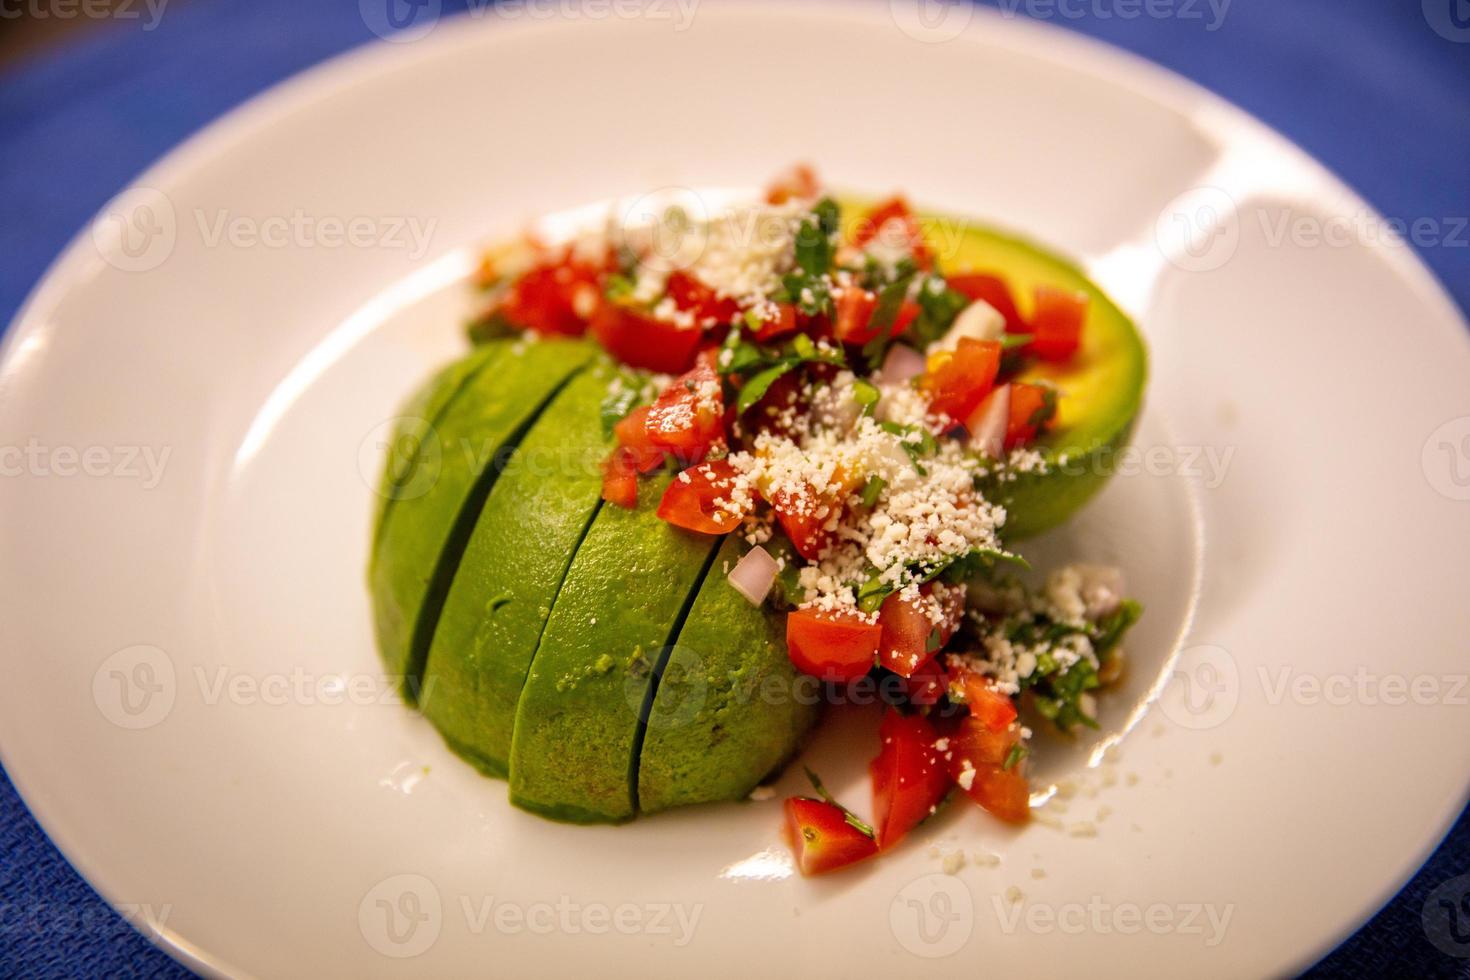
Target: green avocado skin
730	708
508	578
420	541
416	418
578	723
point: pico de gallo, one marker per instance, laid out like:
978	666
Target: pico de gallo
835	396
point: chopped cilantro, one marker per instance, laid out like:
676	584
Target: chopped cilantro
873	489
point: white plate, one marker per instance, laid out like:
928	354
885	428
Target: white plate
171	646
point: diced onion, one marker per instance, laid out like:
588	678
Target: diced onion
754	574
987	425
901	364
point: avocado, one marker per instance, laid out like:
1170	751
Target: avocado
511	570
729	709
574	752
1101	388
423	536
416	419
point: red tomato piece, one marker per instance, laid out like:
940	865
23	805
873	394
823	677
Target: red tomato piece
688	417
556	297
804	519
958	381
800	183
692	295
894	222
632	435
987	704
782	323
640	340
1028	405
909	778
1056	324
821	838
831	646
977	762
690	499
620	478
993	290
854	310
908	630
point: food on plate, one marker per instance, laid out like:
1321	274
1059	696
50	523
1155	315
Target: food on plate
702	472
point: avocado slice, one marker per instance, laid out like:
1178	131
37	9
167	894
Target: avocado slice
1101	388
511	570
423	536
416	419
728	709
574	753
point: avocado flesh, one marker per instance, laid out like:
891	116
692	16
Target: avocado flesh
574	750
416	418
1101	388
423	536
511	571
729	709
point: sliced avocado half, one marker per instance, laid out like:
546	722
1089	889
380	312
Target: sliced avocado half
575	747
729	708
423	536
1101	389
517	556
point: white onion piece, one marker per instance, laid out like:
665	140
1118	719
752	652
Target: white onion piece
987	424
754	574
901	364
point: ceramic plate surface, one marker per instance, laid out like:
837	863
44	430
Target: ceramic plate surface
194	405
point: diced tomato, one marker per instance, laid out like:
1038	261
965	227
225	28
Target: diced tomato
775	412
993	290
556	297
977	762
620	478
894	223
958	381
831	646
907	629
928	683
640	340
822	839
804	518
690	294
992	708
1028	405
690	499
854	310
782	323
632	435
800	183
688	417
1056	323
909	778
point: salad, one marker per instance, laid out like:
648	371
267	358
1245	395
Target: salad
732	460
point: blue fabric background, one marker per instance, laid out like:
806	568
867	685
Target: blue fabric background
1367	86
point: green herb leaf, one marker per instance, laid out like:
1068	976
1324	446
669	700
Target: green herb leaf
872	490
754	389
1015	755
890	299
853	820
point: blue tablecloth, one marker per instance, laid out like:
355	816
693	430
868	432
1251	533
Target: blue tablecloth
1378	90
